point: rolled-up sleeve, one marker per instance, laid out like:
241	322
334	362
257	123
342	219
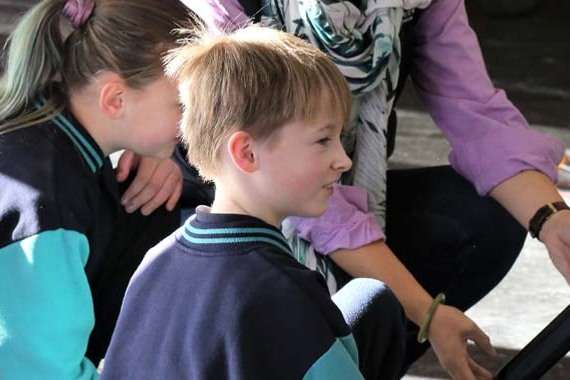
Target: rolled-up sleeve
489	137
346	224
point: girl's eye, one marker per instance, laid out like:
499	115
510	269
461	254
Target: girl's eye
324	141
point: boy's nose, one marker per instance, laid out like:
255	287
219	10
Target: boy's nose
342	163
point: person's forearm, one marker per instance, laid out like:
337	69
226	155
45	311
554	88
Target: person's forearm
377	261
490	138
523	194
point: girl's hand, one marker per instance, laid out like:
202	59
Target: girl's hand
555	234
157	181
449	332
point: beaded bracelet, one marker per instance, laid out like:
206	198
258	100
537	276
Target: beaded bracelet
424	327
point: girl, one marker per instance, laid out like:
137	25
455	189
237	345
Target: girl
66	103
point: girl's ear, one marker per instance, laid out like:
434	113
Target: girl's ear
112	94
240	147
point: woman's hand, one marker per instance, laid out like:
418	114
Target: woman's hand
449	332
157	181
555	234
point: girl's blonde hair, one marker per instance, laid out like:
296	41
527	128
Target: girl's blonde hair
256	79
127	37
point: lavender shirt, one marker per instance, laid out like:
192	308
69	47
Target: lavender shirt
490	139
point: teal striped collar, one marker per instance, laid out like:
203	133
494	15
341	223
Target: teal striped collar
81	139
218	232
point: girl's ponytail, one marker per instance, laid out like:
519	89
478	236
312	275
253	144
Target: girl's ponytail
34	60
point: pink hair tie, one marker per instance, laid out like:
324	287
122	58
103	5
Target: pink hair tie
78	11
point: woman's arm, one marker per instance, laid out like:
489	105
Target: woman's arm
522	195
449	330
376	260
489	137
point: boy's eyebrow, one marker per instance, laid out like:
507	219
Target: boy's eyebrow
326	127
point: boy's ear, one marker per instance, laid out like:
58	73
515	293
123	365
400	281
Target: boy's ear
112	96
240	148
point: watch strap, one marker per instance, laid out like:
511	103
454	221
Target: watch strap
542	215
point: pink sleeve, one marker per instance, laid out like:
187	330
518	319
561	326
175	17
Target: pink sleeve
346	223
225	15
489	137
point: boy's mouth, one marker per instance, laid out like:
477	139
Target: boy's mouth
331	184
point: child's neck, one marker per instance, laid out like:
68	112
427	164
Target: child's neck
85	111
224	203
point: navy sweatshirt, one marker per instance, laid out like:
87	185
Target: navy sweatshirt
58	201
222	298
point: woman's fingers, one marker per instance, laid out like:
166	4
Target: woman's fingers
482	340
479	372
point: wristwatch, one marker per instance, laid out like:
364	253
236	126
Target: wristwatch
542	215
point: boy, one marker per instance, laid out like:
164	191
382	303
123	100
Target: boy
222	298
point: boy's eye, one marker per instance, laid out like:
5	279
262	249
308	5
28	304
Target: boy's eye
324	141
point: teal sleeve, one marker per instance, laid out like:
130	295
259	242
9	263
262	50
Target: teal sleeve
46	309
340	362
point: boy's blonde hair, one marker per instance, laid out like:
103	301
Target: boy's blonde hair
256	80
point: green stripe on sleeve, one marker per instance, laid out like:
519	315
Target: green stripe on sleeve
82	151
82	140
340	362
46	310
